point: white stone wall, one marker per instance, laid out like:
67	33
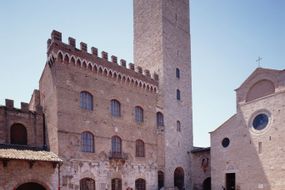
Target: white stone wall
257	157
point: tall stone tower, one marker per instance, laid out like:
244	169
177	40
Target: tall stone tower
162	45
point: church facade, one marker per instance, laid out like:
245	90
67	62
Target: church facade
97	122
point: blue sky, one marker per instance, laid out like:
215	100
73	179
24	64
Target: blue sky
227	36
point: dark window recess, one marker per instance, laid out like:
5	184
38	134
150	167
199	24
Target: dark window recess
160	178
225	142
178	127
18	134
178	97
159	119
260	121
177	73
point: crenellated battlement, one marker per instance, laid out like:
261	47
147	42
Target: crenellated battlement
9	105
61	52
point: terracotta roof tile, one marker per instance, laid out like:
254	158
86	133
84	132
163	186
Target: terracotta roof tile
29	155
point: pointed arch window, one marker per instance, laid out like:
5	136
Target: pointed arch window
86	100
159	119
18	134
87	142
139	114
140	148
115	108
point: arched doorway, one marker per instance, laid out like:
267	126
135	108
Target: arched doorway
179	178
207	184
160	178
31	185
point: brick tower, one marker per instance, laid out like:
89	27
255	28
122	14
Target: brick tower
162	45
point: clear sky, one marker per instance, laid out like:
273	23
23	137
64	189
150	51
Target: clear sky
227	36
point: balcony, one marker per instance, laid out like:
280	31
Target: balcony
117	159
118	156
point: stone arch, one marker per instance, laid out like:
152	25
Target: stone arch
89	67
105	72
84	64
60	56
119	77
110	73
100	70
78	62
95	68
207	184
66	58
42	185
179	178
155	89
115	75
260	89
72	60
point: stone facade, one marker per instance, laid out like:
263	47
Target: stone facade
254	154
19	167
162	44
201	167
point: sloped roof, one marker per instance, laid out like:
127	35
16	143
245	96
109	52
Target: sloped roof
15	154
225	123
255	72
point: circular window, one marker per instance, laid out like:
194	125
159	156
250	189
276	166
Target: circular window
260	121
226	142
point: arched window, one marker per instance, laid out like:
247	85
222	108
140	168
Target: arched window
87	142
160	177
115	108
178	94
178	125
116	146
177	73
138	114
86	100
18	134
179	178
159	119
140	151
87	184
140	184
116	184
